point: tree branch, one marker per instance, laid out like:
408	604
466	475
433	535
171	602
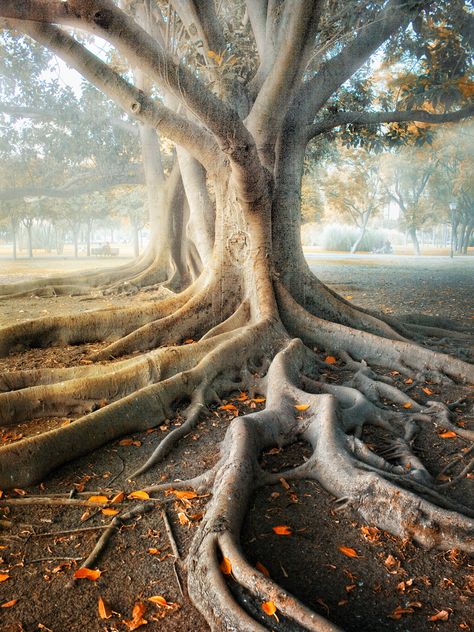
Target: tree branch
333	73
377	118
183	132
298	22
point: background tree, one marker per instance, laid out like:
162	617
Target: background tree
354	190
256	309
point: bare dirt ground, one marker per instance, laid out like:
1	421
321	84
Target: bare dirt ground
390	585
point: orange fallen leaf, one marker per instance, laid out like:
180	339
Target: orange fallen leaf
427	391
104	611
108	511
229	407
302	406
153	551
442	615
399	612
407	405
243	396
269	608
118	498
137	617
282	530
348	298
330	360
448	435
263	569
371	533
258	400
409	380
183	519
182	493
188	341
348	552
159	600
4	577
130	442
87	573
20	492
139	494
284	483
226	566
9	604
98	499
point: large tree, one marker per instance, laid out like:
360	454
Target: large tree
241	106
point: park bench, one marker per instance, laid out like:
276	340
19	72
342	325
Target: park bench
105	251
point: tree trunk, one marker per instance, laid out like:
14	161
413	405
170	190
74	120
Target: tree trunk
414	240
363	228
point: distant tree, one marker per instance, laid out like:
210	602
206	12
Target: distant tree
354	189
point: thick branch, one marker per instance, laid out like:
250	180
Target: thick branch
333	73
377	118
299	22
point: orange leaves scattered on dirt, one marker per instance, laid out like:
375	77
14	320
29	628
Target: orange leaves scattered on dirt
130	442
263	569
283	530
447	435
4	577
98	499
243	396
348	552
139	495
269	608
330	359
226	566
104	611
372	534
9	604
137	619
302	406
403	586
87	573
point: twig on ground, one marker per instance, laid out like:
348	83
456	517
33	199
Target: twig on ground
169	533
114	526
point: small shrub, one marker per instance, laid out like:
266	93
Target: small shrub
341	237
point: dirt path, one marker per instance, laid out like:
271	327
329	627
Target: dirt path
391	585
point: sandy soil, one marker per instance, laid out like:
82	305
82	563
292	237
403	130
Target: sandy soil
359	594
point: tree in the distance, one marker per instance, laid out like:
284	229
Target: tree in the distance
262	321
354	190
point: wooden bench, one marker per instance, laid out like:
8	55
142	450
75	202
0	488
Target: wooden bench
104	251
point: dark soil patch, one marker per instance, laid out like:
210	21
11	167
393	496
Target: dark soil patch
389	578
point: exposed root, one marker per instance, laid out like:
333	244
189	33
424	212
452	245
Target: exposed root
238	349
104	324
